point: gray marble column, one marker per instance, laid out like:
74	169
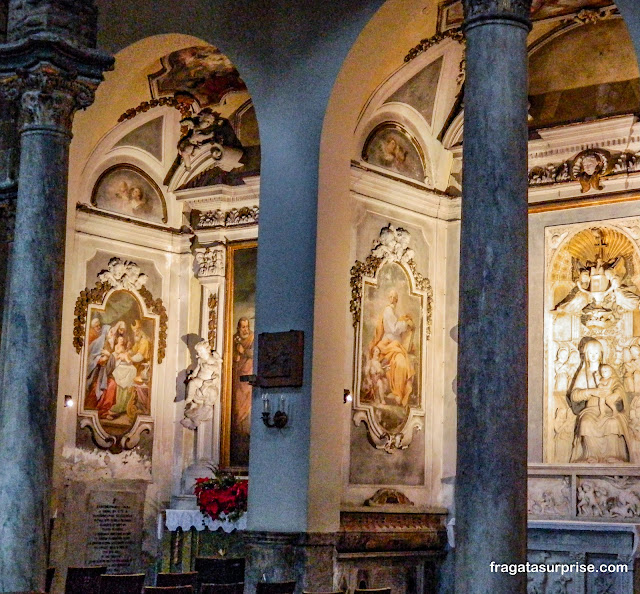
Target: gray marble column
9	150
491	479
51	76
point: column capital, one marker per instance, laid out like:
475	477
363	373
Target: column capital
482	10
48	96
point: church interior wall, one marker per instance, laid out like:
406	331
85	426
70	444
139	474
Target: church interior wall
365	198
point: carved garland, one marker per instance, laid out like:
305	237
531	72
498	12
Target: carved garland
213	320
456	34
86	298
603	164
157	307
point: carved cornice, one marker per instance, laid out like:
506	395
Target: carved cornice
247	215
482	10
599	164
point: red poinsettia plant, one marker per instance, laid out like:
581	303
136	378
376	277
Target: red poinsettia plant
222	496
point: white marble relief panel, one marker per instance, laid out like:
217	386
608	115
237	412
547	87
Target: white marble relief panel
608	497
592	343
549	497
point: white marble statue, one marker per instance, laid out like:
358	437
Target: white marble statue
203	389
602	428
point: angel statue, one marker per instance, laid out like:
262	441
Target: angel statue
209	128
203	388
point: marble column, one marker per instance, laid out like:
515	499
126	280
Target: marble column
9	150
50	78
491	480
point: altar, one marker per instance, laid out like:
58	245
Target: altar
186	534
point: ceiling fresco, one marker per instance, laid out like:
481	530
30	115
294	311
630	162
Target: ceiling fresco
451	14
544	9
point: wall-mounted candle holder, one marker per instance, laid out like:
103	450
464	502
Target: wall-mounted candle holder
280	417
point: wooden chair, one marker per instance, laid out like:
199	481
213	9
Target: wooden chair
189	578
168	589
48	580
126	583
83	580
275	587
222	588
220	570
372	591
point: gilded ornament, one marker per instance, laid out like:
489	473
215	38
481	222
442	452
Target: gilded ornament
455	34
121	275
212	303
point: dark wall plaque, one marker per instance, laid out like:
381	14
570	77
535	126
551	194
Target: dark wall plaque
280	359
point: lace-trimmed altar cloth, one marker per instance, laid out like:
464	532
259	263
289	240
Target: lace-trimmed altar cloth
185	519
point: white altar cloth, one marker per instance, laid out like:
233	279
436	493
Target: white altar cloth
193	518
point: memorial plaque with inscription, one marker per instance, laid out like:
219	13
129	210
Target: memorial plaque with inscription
115	530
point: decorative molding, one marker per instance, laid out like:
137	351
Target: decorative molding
211	261
519	10
212	335
590	16
588	167
87	297
157	307
119	275
180	102
387	497
247	215
455	34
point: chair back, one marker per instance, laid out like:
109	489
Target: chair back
275	587
324	592
48	580
222	588
189	578
168	590
84	580
126	583
372	591
220	570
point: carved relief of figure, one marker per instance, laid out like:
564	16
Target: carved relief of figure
565	366
563	428
625	297
207	127
579	297
602	432
203	389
